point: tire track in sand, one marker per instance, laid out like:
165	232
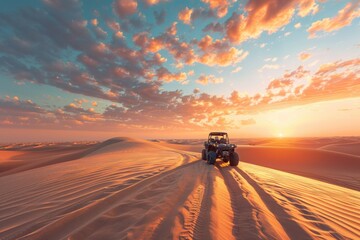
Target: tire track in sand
77	219
291	227
192	218
195	224
245	226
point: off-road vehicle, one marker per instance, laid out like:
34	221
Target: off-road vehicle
218	142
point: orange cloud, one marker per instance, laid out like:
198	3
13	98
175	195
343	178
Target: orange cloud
304	56
155	45
223	58
269	66
119	34
100	48
88	61
206	79
125	7
120	72
164	75
218	52
141	39
148	44
221	6
267	16
307	6
158	59
172	30
153	2
115	26
335	80
94	22
345	17
185	15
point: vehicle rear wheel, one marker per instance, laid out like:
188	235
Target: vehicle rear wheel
234	159
203	154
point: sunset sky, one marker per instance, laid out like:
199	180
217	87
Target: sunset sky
74	69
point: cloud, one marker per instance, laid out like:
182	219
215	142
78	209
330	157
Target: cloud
334	80
221	6
135	23
269	66
160	16
125	7
174	110
214	27
279	83
73	108
344	17
94	22
297	25
113	25
148	44
100	33
23	113
224	58
308	7
11	105
265	16
219	52
110	71
185	15
188	15
207	79
304	56
172	30
238	69
153	2
165	75
274	59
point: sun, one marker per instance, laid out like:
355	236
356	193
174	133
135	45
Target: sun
280	135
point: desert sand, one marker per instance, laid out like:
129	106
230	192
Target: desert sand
127	188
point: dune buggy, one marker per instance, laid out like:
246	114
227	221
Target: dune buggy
218	146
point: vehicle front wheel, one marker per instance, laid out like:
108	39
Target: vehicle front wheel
203	154
234	159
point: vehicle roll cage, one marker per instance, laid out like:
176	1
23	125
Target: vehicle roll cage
220	134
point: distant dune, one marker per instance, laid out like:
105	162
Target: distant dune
348	148
127	188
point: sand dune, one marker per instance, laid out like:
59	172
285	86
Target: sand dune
134	189
347	148
332	167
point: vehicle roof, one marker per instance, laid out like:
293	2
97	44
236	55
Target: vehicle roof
217	133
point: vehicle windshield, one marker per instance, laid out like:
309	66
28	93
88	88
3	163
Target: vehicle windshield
218	138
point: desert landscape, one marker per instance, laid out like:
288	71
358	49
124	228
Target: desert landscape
170	119
125	188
